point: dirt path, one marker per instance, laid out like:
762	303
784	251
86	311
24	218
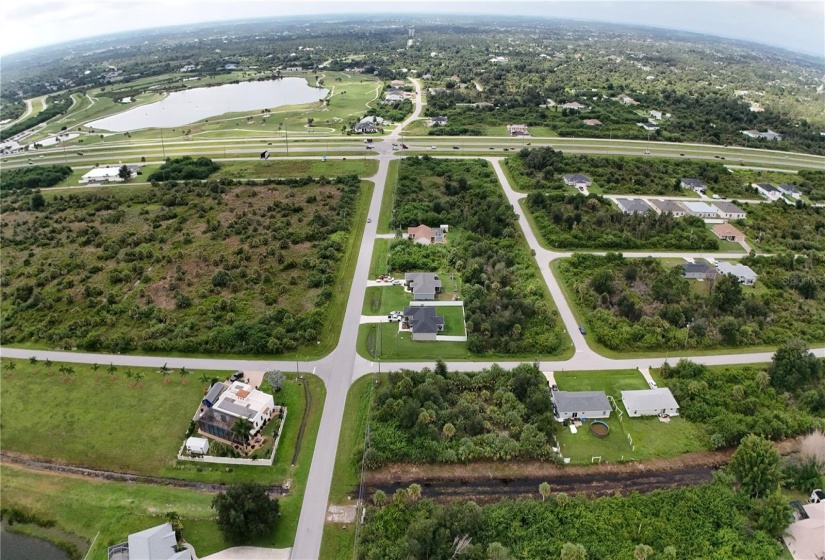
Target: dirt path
489	481
212	488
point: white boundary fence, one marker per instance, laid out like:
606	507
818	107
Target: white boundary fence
232	461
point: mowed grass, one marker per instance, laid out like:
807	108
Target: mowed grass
383	300
453	320
338	540
297	168
650	437
393	345
380	253
85	507
388	200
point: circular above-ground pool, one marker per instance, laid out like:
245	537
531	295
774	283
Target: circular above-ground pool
599	428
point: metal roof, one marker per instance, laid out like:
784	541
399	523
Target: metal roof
649	399
580	401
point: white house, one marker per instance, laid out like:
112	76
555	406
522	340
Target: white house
790	190
238	401
804	536
768	191
197	446
694	184
655	115
672	206
574	105
729	211
650	402
577	180
517	130
648	126
743	273
101	174
157	543
580	404
632	205
627	100
701	209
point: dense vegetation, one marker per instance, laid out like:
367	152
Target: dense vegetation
542	169
640	304
184	168
504	298
188	267
33	177
785	227
392	112
440	416
576	221
709	521
734	401
56	105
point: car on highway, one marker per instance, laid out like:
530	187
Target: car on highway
681	154
647	152
433	147
581	330
370	147
80	153
455	147
369	220
492	148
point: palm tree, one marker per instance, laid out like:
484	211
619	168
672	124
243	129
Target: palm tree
183	372
240	429
379	498
669	552
164	370
642	552
414	492
448	430
562	499
139	375
112	369
572	551
95	366
10	366
544	490
33	360
204	378
48	363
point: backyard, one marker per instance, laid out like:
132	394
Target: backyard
651	437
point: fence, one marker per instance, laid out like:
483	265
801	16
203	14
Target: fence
237	461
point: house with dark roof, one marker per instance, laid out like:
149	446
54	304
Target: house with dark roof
423	285
423	322
729	211
577	180
768	191
632	205
157	543
438	121
672	206
698	271
580	404
790	190
693	184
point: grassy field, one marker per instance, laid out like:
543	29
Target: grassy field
338	540
650	437
381	301
296	168
378	264
453	320
388	200
393	345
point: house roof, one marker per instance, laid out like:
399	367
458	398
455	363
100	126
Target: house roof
656	399
156	543
244	401
804	537
214	392
671	206
700	267
423	319
789	189
633	205
728	207
694	183
726	230
767	187
574	105
577	178
737	269
423	282
700	207
592	122
580	401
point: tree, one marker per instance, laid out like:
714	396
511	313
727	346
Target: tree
11	366
379	498
773	514
275	378
310	120
33	360
240	429
562	498
245	512
112	369
497	551
727	292
37	202
414	492
183	372
669	552
544	490
755	464
642	552
124	173
448	430
572	551
794	367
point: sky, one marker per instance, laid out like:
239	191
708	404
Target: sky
790	24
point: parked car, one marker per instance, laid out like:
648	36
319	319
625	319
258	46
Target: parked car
393	318
397	282
817	496
554	387
652	384
581	330
238	375
404	147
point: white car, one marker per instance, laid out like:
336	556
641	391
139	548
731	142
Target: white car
653	385
397	282
817	496
433	148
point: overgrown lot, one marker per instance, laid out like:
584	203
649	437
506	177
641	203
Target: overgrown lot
640	304
439	416
576	221
710	521
33	177
506	305
543	168
186	267
785	227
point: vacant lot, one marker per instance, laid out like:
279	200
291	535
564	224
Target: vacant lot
297	168
182	267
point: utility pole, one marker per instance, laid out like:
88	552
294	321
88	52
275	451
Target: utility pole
286	133
162	145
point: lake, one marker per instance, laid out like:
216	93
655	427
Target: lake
15	546
186	107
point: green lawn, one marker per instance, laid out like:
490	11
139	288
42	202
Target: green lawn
650	437
388	200
453	320
338	540
380	251
381	301
400	346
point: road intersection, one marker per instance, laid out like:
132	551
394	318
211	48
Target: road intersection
343	365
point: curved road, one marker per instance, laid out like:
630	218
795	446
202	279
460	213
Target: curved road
343	365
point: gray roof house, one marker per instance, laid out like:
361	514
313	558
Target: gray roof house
438	121
576	179
790	190
423	285
214	392
729	211
157	543
698	271
423	321
632	205
672	206
694	184
740	271
768	191
650	402
580	404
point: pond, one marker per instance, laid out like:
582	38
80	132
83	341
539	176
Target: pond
186	107
16	546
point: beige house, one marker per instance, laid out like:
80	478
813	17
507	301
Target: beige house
727	232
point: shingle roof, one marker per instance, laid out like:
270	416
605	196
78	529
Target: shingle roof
580	401
728	207
697	268
423	282
423	320
577	178
671	206
633	205
694	183
656	399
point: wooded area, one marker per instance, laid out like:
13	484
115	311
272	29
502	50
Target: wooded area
33	177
